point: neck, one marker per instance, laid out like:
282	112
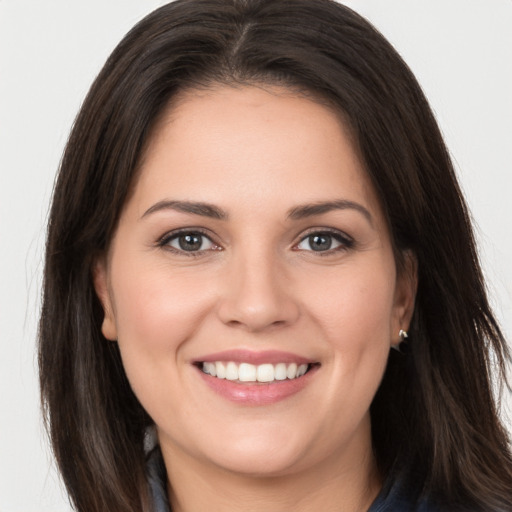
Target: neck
340	483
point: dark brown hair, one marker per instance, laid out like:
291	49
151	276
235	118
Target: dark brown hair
434	415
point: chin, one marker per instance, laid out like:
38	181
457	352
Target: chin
255	452
259	462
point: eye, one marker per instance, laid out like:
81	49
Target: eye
188	241
324	241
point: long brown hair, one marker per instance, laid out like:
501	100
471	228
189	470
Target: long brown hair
434	415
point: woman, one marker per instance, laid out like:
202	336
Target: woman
255	205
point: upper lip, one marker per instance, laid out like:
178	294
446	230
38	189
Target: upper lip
254	357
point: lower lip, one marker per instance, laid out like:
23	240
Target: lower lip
255	393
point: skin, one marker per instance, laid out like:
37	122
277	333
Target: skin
256	284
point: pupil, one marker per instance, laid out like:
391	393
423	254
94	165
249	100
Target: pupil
190	242
320	242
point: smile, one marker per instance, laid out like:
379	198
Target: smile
256	378
247	372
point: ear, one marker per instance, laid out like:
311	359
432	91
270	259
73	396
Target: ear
405	295
101	286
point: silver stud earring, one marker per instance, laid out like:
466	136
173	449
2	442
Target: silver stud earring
401	346
402	335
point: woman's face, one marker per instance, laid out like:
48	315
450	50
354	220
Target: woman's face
252	249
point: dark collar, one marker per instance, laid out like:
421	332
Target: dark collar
157	479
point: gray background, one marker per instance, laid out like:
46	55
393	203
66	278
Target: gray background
460	50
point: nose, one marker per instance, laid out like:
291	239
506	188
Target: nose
257	295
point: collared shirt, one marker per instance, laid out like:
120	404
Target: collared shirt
395	499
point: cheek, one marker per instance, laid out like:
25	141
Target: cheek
156	308
156	312
354	315
355	308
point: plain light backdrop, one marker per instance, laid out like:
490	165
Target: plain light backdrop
460	50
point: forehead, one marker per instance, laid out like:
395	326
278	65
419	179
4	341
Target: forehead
262	142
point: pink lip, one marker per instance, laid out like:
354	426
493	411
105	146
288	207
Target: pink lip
253	393
248	356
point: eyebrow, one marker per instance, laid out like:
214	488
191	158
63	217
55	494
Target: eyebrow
196	208
296	213
319	208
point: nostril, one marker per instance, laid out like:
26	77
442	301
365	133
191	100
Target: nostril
256	326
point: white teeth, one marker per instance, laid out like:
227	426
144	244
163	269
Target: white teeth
291	371
302	369
265	373
231	371
280	371
220	369
246	372
210	368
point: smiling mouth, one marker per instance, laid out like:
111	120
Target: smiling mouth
262	373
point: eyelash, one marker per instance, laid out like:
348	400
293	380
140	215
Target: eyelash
344	240
164	242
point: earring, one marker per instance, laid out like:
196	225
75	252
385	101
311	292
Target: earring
402	335
402	345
